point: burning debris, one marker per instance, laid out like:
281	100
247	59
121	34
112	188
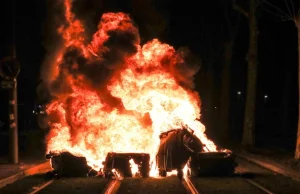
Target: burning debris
176	147
68	165
114	95
127	164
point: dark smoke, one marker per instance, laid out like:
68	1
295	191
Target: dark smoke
97	71
185	72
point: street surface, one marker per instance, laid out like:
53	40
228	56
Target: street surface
248	179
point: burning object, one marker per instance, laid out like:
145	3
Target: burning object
126	164
68	165
176	147
212	164
115	94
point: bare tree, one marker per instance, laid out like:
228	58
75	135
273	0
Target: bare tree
290	15
232	26
249	120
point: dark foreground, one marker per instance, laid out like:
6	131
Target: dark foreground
248	178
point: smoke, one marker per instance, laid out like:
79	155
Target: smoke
116	40
184	69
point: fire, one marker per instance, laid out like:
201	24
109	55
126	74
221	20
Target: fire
113	94
134	167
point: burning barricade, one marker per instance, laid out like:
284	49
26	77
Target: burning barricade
68	165
176	147
181	147
113	95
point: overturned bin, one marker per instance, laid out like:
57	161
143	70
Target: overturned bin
212	164
175	149
67	165
120	162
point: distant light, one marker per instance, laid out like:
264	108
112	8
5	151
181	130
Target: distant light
239	92
33	111
40	106
266	96
215	107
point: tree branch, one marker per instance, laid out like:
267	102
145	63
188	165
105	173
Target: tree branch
239	9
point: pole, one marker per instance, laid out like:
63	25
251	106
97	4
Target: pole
13	125
13	105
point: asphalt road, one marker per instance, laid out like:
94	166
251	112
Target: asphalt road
249	179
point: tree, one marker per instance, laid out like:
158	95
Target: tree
249	119
290	15
231	30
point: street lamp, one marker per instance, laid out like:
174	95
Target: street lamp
239	94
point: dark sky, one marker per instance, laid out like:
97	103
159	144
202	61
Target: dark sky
200	25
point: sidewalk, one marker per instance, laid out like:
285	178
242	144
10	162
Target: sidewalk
279	161
10	173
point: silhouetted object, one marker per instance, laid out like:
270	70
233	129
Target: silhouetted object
120	163
250	106
9	70
212	164
176	147
67	165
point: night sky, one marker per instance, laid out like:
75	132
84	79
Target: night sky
200	25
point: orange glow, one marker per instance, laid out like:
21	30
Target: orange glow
127	107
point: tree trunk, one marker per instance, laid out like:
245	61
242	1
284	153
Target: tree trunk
249	120
225	88
297	152
286	93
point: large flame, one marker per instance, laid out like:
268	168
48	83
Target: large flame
113	94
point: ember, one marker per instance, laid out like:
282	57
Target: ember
115	95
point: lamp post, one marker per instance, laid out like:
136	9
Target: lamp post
9	70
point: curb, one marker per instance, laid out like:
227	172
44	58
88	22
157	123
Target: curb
41	168
273	167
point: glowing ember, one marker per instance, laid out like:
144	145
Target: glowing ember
113	95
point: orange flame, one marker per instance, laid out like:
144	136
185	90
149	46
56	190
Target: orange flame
150	100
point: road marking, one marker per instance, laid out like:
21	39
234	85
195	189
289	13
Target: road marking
189	185
40	187
113	187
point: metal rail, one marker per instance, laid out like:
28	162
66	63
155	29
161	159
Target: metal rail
42	186
113	187
189	186
254	183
